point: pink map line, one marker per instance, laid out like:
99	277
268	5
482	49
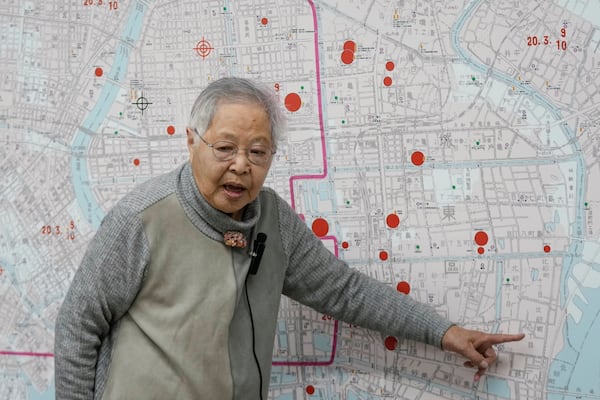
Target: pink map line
320	105
317	176
24	354
335	332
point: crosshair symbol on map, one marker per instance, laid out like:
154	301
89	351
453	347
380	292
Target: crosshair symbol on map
142	103
203	48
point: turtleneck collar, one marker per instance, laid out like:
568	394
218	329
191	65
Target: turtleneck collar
206	218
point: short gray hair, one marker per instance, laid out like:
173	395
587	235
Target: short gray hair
237	90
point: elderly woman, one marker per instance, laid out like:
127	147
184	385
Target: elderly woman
178	293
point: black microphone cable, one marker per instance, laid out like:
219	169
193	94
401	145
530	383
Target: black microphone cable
253	338
259	248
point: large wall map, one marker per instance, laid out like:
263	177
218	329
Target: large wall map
447	148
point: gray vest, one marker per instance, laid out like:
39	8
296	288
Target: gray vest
188	333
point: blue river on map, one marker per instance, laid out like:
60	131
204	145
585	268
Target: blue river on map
576	362
33	394
88	203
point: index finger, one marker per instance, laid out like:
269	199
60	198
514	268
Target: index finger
497	338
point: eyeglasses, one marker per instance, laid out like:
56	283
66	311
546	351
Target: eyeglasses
224	150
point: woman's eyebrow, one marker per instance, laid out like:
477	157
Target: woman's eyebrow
232	137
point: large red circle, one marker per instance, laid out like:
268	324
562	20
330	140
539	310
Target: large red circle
293	102
403	287
481	238
391	343
347	57
417	158
350	45
320	227
392	220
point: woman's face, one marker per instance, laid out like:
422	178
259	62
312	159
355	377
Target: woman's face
230	185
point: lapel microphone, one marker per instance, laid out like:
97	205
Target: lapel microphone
257	252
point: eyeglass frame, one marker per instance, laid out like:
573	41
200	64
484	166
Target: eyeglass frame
237	150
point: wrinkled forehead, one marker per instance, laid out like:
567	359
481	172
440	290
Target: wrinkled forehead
240	100
251	102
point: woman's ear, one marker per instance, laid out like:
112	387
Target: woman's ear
190	136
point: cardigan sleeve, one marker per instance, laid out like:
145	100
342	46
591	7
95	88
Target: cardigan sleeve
103	288
318	279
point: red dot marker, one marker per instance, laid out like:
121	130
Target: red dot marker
98	72
389	66
350	45
293	102
383	255
547	249
264	21
391	343
310	389
171	130
392	220
403	287
347	57
320	227
136	161
387	81
480	250
481	238
417	158
345	245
